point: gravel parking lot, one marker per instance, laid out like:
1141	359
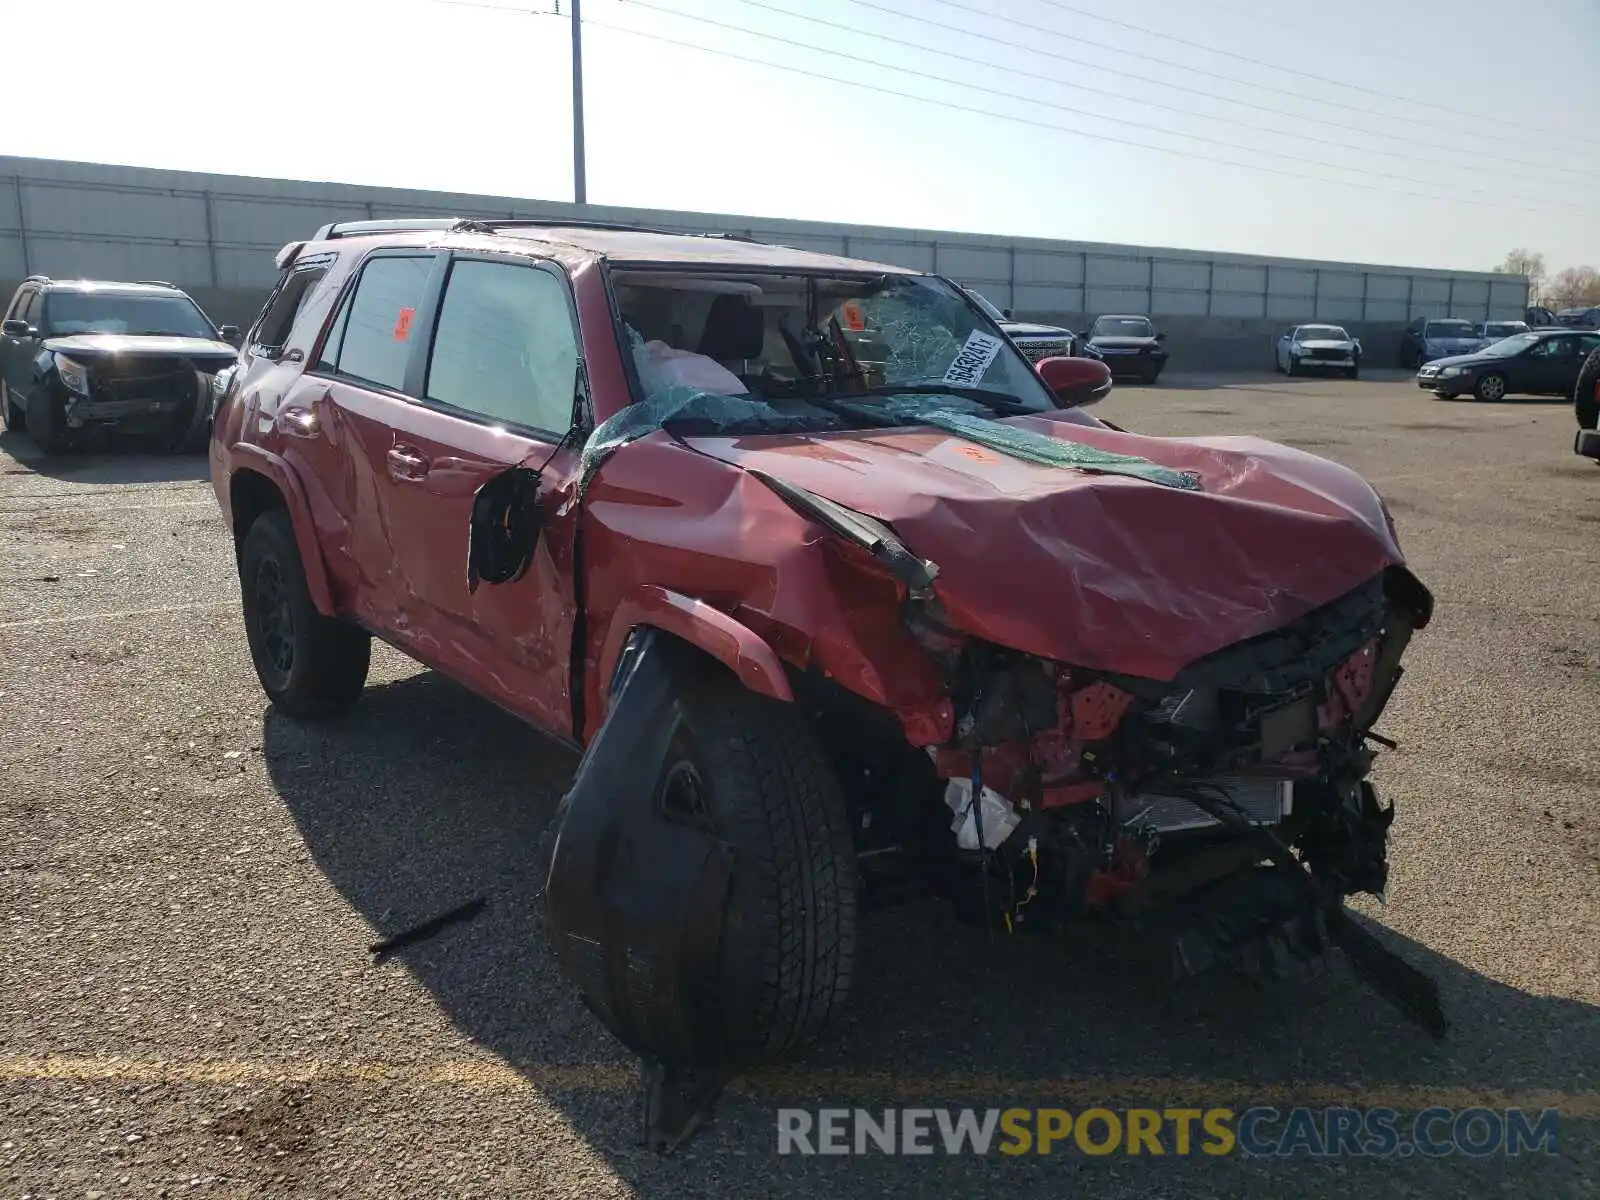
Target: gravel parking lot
190	884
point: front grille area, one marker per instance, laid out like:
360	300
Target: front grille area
168	379
1034	349
1327	354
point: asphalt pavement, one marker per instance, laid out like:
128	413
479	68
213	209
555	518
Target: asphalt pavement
190	884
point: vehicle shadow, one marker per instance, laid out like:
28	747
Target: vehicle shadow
126	460
426	797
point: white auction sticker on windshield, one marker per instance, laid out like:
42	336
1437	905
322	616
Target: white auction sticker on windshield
973	360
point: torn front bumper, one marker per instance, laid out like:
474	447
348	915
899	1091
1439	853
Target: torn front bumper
159	397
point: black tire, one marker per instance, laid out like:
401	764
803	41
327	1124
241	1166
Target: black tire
768	789
1491	386
309	665
1289	367
1585	398
189	431
47	422
16	420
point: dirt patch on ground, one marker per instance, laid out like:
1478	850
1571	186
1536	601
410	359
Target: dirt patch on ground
68	526
276	1131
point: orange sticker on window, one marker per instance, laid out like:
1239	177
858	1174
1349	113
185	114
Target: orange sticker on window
853	320
976	455
402	324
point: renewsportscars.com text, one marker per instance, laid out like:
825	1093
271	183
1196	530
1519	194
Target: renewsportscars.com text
1256	1132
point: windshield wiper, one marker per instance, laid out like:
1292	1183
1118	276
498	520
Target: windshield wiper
1001	402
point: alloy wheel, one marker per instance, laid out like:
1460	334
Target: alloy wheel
274	617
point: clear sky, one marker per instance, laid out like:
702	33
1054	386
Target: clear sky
1419	132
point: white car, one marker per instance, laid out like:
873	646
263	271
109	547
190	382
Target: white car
1318	348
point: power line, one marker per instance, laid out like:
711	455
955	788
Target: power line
1179	87
1079	40
1035	102
999	116
1057	80
1245	58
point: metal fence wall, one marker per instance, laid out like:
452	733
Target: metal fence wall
219	232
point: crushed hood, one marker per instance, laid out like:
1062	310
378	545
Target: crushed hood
1101	571
122	345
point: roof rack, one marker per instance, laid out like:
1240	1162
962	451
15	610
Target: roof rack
341	229
37	279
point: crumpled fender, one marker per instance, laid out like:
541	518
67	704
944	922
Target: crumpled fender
245	457
734	645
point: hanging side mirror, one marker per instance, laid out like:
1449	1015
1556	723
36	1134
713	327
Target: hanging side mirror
1075	382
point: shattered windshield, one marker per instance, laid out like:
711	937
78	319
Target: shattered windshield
742	352
112	312
1323	333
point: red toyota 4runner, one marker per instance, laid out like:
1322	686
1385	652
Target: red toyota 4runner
839	594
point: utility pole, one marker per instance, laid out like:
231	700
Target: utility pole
579	186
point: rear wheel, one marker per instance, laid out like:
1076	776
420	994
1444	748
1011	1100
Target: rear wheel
1491	387
309	665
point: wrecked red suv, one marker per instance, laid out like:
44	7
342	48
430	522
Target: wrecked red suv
842	597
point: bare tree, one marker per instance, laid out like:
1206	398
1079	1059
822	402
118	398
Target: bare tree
1530	265
1576	287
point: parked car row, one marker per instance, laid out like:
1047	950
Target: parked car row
1536	362
1130	345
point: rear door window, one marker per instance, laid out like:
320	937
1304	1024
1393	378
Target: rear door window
372	335
505	347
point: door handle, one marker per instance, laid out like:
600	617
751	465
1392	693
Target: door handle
298	421
407	463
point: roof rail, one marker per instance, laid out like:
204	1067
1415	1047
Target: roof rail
341	229
37	279
156	283
494	225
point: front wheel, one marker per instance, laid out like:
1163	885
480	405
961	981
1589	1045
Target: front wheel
1586	392
309	665
15	419
1353	372
1491	387
751	769
47	422
1290	366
